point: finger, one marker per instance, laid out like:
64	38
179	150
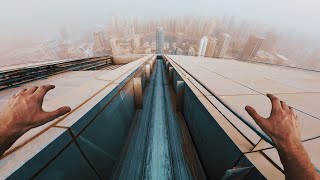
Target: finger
291	109
284	106
32	90
20	92
256	117
274	102
42	90
49	116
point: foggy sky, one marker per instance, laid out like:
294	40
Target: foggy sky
21	20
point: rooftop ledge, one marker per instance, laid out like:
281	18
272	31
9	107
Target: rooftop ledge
82	91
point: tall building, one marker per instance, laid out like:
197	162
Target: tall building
251	48
159	40
211	46
203	46
191	52
52	49
99	40
114	45
137	42
222	45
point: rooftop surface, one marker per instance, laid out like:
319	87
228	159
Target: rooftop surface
237	83
242	83
81	90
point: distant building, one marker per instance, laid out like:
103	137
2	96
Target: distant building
174	45
148	51
191	52
179	51
166	45
251	48
211	46
52	49
137	42
87	52
114	45
222	45
159	40
203	46
99	40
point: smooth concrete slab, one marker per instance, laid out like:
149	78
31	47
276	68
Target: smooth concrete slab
69	81
78	74
265	166
112	75
8	93
222	86
240	84
265	86
78	89
309	125
306	102
308	82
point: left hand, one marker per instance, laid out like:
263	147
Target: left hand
24	110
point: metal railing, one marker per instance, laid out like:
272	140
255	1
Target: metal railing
17	76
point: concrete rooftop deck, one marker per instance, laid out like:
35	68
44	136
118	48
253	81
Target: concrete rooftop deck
222	140
241	83
81	90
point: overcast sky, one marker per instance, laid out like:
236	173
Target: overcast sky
23	19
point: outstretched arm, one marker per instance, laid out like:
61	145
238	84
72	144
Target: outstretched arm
283	128
24	112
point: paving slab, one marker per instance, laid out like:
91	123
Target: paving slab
309	125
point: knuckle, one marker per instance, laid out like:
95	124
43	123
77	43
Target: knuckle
273	98
33	98
43	86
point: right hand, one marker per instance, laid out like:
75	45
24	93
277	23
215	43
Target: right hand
282	126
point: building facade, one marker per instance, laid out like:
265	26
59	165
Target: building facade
159	40
203	46
251	48
211	46
222	45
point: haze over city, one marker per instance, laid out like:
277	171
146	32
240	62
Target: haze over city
159	89
289	28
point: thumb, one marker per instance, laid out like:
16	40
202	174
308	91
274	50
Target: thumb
57	113
253	113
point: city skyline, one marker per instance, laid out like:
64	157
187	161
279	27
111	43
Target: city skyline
136	35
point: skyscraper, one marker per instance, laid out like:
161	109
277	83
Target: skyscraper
203	46
159	40
251	48
114	46
222	45
211	46
99	40
137	42
191	52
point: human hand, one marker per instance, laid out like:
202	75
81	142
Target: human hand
24	110
282	126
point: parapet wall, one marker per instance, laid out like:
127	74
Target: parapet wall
124	59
